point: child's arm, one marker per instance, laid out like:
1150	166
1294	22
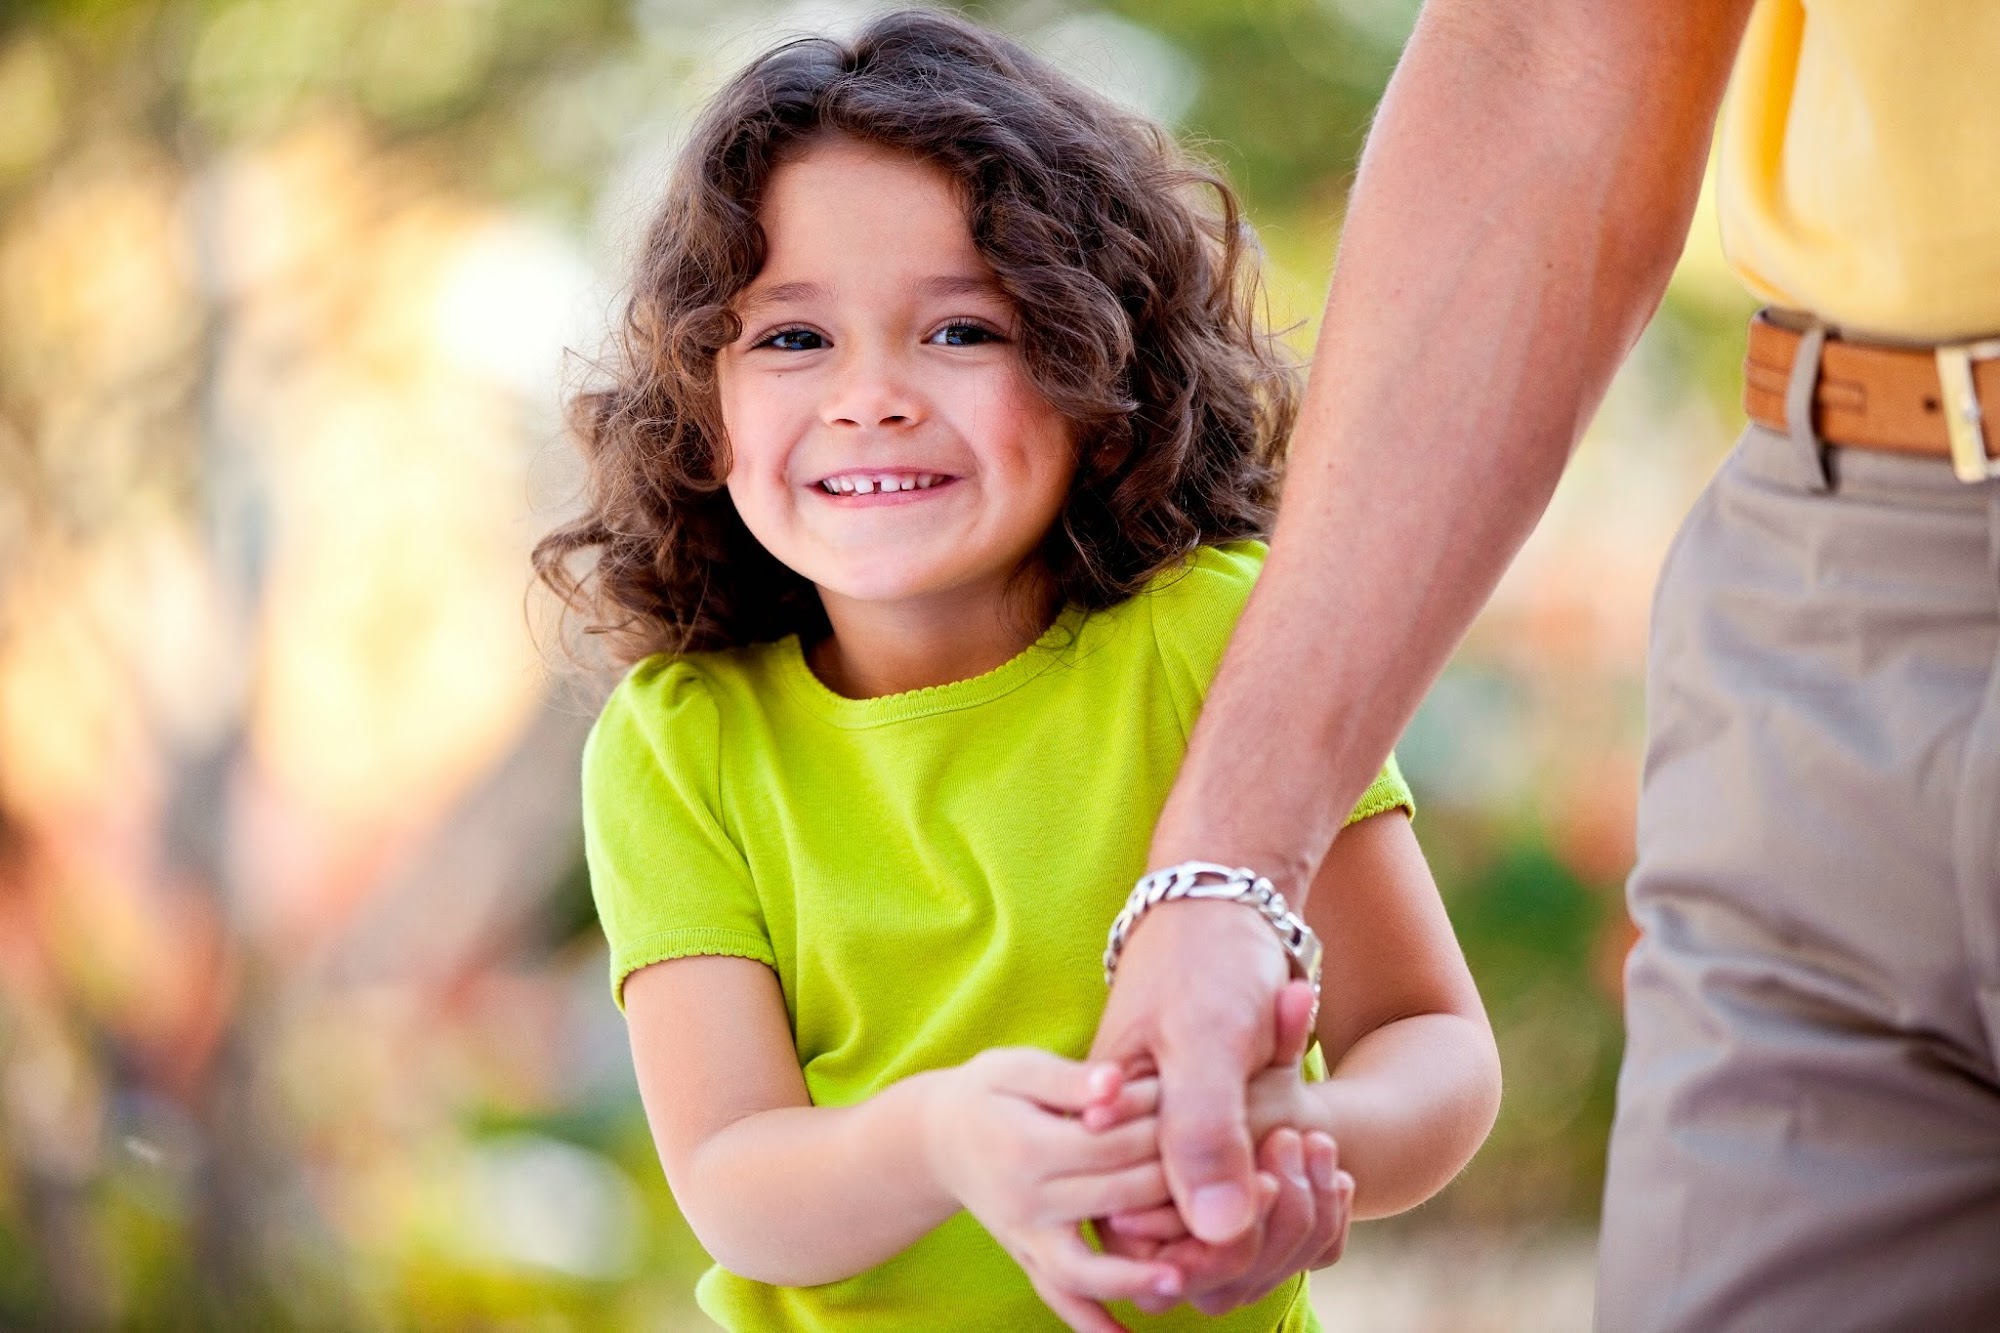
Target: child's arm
781	1191
1414	1077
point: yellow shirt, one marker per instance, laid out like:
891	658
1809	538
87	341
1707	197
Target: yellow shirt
1860	164
929	874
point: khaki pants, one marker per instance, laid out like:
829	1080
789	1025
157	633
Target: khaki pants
1808	1130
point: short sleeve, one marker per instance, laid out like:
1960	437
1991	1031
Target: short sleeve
1194	611
1195	608
667	879
1387	792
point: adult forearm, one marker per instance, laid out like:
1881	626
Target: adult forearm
804	1195
1524	195
1407	1107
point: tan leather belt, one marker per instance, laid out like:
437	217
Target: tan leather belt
1941	402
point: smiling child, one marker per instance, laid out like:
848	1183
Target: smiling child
925	491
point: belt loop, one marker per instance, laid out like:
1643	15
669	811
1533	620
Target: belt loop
1799	407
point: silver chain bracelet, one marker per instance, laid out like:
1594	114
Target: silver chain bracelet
1209	881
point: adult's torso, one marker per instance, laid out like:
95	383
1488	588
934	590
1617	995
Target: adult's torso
1860	164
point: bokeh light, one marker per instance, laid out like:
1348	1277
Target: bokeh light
302	1016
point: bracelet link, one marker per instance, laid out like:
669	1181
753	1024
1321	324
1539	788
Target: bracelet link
1198	880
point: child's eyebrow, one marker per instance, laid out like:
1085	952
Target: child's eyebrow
961	284
945	284
780	294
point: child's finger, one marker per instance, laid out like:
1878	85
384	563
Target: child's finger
1067	1263
1075	1198
1343	1208
1156	1224
1333	1189
1047	1080
1134	1098
1209	1267
1125	1247
1059	1147
1098	1117
1082	1316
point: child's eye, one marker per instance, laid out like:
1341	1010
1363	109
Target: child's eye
961	333
793	340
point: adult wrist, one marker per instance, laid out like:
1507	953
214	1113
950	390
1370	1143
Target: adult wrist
1216	929
1211	882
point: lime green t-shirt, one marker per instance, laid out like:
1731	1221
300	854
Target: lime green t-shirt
930	874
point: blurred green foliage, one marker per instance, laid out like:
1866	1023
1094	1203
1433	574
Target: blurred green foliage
295	1180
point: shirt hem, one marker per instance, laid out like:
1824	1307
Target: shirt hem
688	942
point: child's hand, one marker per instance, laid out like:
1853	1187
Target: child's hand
1003	1137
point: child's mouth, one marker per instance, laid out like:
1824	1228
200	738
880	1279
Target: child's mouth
883	483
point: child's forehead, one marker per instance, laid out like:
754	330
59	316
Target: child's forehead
837	170
850	215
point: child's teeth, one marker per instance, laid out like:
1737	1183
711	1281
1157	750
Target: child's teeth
916	481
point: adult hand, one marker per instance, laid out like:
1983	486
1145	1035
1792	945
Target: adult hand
1306	1227
1194	999
1303	1201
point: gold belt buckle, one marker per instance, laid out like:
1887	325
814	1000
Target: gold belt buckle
1963	421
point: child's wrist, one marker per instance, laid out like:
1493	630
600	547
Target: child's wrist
1303	1106
934	1094
1319	1108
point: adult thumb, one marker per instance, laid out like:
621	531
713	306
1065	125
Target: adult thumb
1205	1144
1294	1023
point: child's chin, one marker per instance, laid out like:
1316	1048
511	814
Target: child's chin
886	584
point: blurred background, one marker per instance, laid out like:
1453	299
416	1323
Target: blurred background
303	1016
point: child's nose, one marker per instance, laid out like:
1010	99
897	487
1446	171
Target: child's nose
874	391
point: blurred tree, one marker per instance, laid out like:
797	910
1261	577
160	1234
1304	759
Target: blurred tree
294	939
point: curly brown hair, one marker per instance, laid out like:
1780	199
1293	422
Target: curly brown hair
1135	278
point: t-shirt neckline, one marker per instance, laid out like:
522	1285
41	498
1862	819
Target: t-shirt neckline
1009	676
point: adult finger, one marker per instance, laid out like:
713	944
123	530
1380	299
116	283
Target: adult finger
1293	1025
1195	991
1297	1230
1205	1137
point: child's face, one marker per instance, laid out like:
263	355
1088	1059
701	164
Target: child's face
885	439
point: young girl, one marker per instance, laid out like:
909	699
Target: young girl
925	493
